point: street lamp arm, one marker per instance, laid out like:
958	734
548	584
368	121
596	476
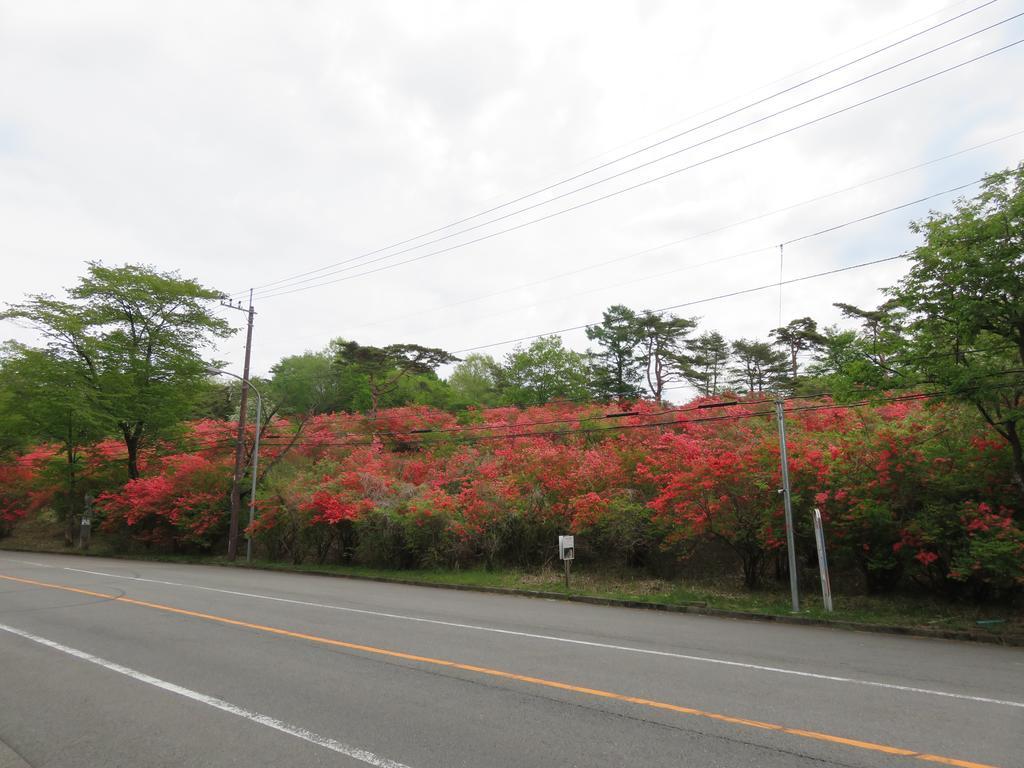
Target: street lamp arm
218	372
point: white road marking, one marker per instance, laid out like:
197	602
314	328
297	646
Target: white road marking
571	641
278	725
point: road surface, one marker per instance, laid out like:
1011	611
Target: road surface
116	663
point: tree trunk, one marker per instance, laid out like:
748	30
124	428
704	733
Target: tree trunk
69	527
751	560
1017	452
132	437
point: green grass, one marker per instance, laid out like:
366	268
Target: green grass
899	610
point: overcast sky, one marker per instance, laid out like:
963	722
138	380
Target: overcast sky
245	143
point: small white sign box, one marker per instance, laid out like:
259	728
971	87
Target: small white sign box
566	548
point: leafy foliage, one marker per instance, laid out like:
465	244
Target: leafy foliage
960	310
129	340
369	457
617	371
544	371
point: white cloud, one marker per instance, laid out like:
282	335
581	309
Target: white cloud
246	142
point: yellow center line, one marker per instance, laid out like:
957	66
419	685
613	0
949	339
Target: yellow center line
539	681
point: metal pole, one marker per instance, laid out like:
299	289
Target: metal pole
790	544
236	481
255	468
819	540
255	456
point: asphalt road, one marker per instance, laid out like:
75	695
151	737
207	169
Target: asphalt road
114	663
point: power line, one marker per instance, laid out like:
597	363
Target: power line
579	418
423	439
309	283
729	295
763	87
744	291
722	259
597	402
645	148
699	235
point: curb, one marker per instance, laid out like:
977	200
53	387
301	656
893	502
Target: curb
695	608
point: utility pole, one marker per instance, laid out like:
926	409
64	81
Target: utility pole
255	462
236	482
787	502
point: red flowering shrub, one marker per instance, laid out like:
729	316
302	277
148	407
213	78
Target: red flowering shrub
722	485
184	504
908	491
25	486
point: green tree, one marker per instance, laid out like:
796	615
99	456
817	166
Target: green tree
617	371
841	363
215	400
797	336
960	309
759	366
881	341
544	371
475	380
385	367
312	383
708	358
663	349
132	337
420	389
45	400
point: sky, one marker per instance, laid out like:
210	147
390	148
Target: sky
289	146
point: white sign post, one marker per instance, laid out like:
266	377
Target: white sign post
85	530
566	552
819	540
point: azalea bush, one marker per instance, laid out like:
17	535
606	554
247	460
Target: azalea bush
25	486
182	503
722	485
913	494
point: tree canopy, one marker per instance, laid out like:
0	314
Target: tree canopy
617	369
959	312
544	371
132	339
385	367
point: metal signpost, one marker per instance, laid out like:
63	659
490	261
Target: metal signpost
788	505
819	540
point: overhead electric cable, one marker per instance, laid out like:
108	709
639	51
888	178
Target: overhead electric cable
695	302
606	164
719	260
615	193
689	238
674	153
776	284
421	438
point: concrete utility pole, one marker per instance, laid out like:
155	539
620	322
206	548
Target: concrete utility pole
236	483
788	504
255	463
